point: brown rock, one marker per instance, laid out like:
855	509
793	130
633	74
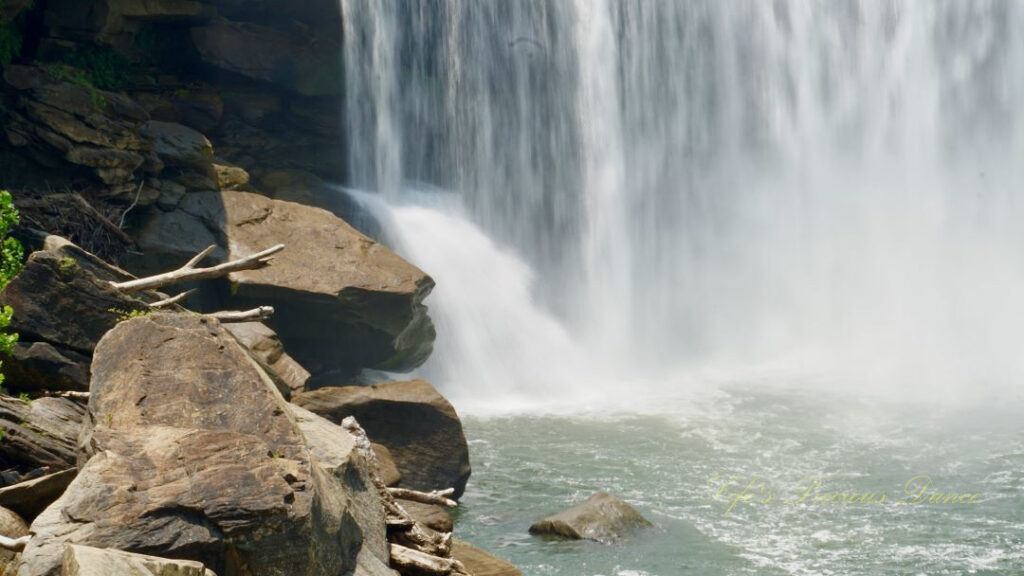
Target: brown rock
343	302
178	145
602	517
419	427
34	366
431	515
31	497
190	452
230	177
387	469
264	345
89	561
11	526
39	433
481	563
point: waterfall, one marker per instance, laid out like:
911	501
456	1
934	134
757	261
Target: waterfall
832	187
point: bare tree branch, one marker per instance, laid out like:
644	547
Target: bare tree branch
14	544
254	315
189	272
436	497
172	300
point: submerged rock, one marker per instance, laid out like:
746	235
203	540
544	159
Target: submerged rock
89	561
417	424
602	517
190	452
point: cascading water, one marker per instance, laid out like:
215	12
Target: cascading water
827	187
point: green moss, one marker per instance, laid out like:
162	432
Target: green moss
67	264
78	77
123	315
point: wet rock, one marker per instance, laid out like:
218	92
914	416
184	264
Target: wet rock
602	517
416	423
89	561
481	563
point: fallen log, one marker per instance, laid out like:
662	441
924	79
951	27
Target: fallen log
254	315
14	544
409	561
438	497
189	272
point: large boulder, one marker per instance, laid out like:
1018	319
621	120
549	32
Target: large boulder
419	427
602	517
343	301
89	561
189	451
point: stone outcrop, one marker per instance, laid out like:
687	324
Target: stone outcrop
431	515
481	563
419	427
89	561
343	301
602	517
39	434
190	452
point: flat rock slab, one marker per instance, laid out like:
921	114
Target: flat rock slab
480	562
419	427
89	561
602	517
40	433
31	497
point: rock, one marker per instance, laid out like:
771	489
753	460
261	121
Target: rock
343	302
202	459
288	59
602	517
179	145
230	177
418	426
481	563
199	109
52	289
62	120
11	526
116	22
264	345
35	366
31	497
169	240
39	433
89	561
387	469
431	515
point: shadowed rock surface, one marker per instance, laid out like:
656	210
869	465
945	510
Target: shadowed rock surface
416	423
602	517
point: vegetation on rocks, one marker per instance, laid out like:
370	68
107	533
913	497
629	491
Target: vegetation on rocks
11	257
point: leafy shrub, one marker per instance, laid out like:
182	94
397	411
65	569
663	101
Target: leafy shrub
11	257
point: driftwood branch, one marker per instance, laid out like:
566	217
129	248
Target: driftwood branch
254	315
189	272
72	395
172	300
437	497
13	544
407	560
403	529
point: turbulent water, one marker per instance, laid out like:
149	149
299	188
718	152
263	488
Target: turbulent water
795	210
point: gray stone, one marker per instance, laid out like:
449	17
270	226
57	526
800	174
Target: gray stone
602	517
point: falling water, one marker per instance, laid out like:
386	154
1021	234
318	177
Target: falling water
824	187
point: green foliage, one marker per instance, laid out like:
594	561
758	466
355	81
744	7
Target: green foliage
123	314
10	42
66	264
78	77
12	256
103	67
25	398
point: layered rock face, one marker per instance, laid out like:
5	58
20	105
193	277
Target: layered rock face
419	427
343	301
190	452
